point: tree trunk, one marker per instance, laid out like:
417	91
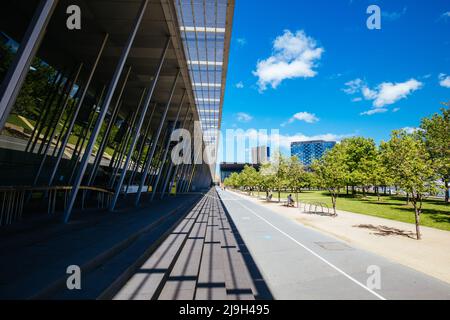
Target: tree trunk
407	198
447	192
347	189
417	216
333	200
353	190
279	195
296	196
364	191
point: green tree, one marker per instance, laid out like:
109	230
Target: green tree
360	154
296	175
436	134
232	181
331	172
408	163
377	174
280	179
35	88
267	177
249	178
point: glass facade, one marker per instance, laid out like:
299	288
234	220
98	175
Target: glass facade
308	151
203	31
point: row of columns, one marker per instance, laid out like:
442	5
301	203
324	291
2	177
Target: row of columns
153	161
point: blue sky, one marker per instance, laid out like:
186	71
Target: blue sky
313	69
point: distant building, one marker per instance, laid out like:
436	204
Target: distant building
226	169
260	155
308	151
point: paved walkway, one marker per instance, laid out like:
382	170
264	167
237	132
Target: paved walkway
202	259
394	240
34	261
300	263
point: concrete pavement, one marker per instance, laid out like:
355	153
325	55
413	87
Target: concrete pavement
300	263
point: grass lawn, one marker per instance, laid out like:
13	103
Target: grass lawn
435	213
15	120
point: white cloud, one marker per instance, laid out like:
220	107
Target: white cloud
240	85
444	80
294	56
411	130
285	140
235	142
368	94
241	41
384	94
373	111
356	99
353	86
302	116
243	117
395	109
335	76
393	15
389	93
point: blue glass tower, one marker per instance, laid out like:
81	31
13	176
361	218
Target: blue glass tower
308	151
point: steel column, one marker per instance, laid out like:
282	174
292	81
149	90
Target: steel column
124	144
53	130
65	94
164	157
130	135
13	81
157	157
164	189
51	88
139	126
186	166
190	171
101	117
47	112
69	115
77	110
105	138
141	149
152	151
179	168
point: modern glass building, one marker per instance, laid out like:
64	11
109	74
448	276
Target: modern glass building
308	151
111	94
226	169
206	31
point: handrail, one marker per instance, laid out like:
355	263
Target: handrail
52	188
13	199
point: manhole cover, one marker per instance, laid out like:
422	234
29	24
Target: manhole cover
334	246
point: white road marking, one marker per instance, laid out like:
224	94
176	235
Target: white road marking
314	254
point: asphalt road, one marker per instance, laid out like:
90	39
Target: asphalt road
301	263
